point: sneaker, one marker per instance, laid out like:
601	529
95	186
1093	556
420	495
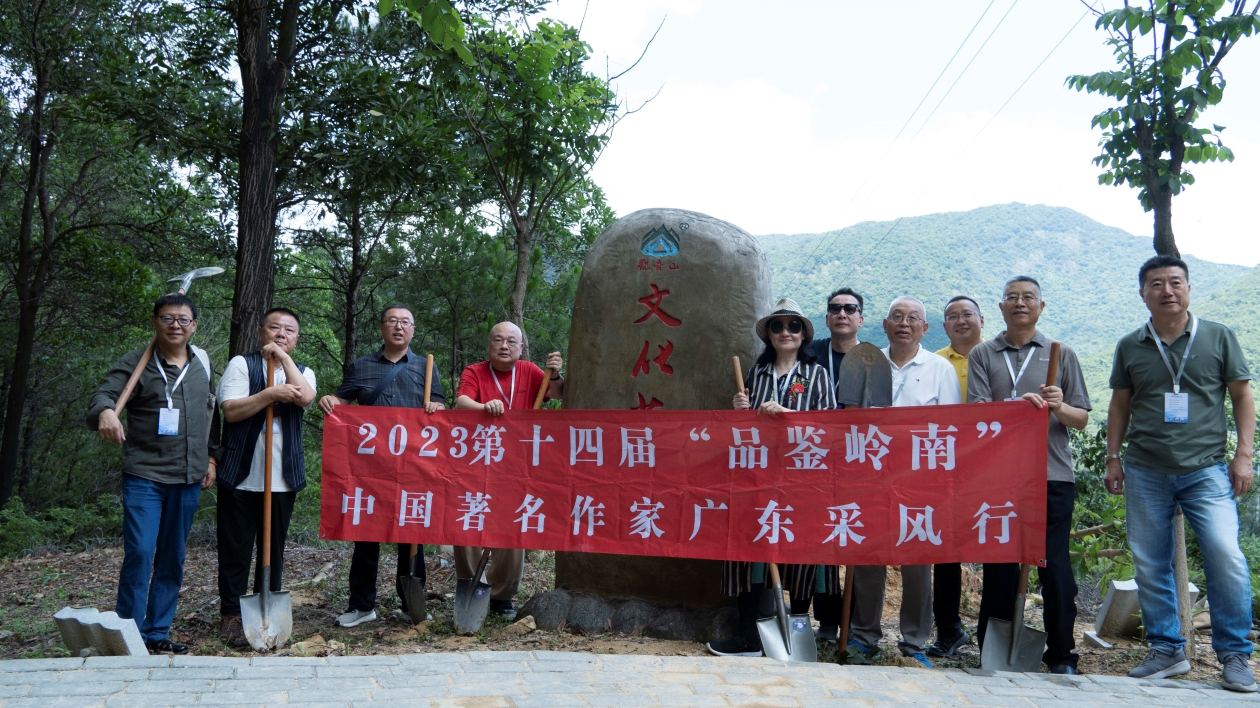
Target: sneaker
947	647
503	608
354	618
1162	662
829	633
863	649
1236	673
735	646
163	646
232	632
922	659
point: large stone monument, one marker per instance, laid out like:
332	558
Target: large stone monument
666	298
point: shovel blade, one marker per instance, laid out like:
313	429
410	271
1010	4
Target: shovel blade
996	654
799	644
472	602
415	596
865	378
267	619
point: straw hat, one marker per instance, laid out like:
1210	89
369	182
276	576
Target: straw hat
785	306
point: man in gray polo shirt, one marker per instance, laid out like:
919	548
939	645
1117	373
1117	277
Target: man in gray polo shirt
1173	408
1013	365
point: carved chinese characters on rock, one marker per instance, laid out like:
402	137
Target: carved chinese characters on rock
732	485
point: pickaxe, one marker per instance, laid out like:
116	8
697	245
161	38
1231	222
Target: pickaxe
184	281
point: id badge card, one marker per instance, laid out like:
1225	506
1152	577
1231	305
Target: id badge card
168	421
1176	407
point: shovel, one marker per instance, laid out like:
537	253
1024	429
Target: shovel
865	378
413	586
1010	646
472	598
786	638
267	616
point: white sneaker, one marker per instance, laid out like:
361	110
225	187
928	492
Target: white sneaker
354	618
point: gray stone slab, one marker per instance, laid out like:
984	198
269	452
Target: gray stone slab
56	702
19	677
149	700
65	664
621	701
415	692
77	688
352	671
431	659
162	687
696	701
104	675
241	697
486	689
208	661
406	681
192	674
769	701
14	690
288	661
333	687
152	661
549	701
104	632
556	688
497	656
267	672
363	661
258	685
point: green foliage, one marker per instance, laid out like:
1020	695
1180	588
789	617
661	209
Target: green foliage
58	526
1152	133
1096	507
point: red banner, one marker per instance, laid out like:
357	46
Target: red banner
885	486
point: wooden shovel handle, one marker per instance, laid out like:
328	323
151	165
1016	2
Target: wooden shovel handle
542	390
428	378
135	376
774	575
1022	587
847	612
739	375
1052	373
267	442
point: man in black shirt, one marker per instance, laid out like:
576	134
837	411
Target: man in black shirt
844	319
392	376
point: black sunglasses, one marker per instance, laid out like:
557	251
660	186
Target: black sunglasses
848	308
794	326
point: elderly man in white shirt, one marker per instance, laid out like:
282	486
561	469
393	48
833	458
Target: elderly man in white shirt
920	378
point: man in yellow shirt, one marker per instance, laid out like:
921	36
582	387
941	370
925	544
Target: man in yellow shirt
963	325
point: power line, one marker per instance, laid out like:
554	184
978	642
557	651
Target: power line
973	139
903	129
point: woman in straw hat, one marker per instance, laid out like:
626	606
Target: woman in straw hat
785	378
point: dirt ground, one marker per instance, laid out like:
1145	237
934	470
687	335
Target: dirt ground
32	589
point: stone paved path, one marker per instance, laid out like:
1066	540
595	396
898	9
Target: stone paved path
523	679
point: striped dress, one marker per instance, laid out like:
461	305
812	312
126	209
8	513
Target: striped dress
807	388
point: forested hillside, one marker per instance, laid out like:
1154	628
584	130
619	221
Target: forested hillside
1088	274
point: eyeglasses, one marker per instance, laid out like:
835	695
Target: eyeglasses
961	316
395	322
911	320
168	321
1026	298
847	308
793	326
500	341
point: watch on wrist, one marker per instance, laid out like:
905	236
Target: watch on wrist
557	377
1114	457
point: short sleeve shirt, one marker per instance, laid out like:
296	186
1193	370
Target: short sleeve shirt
405	391
827	358
483	384
960	367
233	385
989	379
1178	448
925	380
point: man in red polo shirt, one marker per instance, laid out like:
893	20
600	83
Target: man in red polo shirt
503	382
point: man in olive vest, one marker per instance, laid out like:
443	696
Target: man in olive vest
245	396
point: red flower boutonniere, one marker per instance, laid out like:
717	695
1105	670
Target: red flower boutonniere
797	388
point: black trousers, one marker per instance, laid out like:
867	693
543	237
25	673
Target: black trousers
240	519
827	608
1058	586
364	565
946	596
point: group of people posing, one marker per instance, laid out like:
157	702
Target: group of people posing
1169	381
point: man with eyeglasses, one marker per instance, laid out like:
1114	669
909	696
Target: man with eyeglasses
1013	366
844	319
502	383
963	323
244	396
167	459
391	376
920	378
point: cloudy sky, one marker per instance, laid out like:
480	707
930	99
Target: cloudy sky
781	117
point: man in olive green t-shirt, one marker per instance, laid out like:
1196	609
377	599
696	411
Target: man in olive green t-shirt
1168	381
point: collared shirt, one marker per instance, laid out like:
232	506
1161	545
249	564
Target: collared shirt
990	380
405	391
925	380
960	367
823	353
234	385
171	459
808	388
1215	360
478	382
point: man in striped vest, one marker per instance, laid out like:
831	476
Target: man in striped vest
244	397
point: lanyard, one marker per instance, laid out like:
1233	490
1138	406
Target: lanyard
787	378
1185	356
495	375
1011	368
831	363
168	387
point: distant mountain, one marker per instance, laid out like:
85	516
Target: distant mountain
1088	274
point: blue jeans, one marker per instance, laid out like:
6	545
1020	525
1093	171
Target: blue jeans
1207	500
156	520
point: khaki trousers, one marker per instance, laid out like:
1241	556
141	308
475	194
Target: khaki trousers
916	605
507	566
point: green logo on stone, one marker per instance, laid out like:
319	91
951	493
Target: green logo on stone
660	241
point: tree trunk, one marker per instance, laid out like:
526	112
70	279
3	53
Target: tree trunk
1165	244
354	285
263	81
520	285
